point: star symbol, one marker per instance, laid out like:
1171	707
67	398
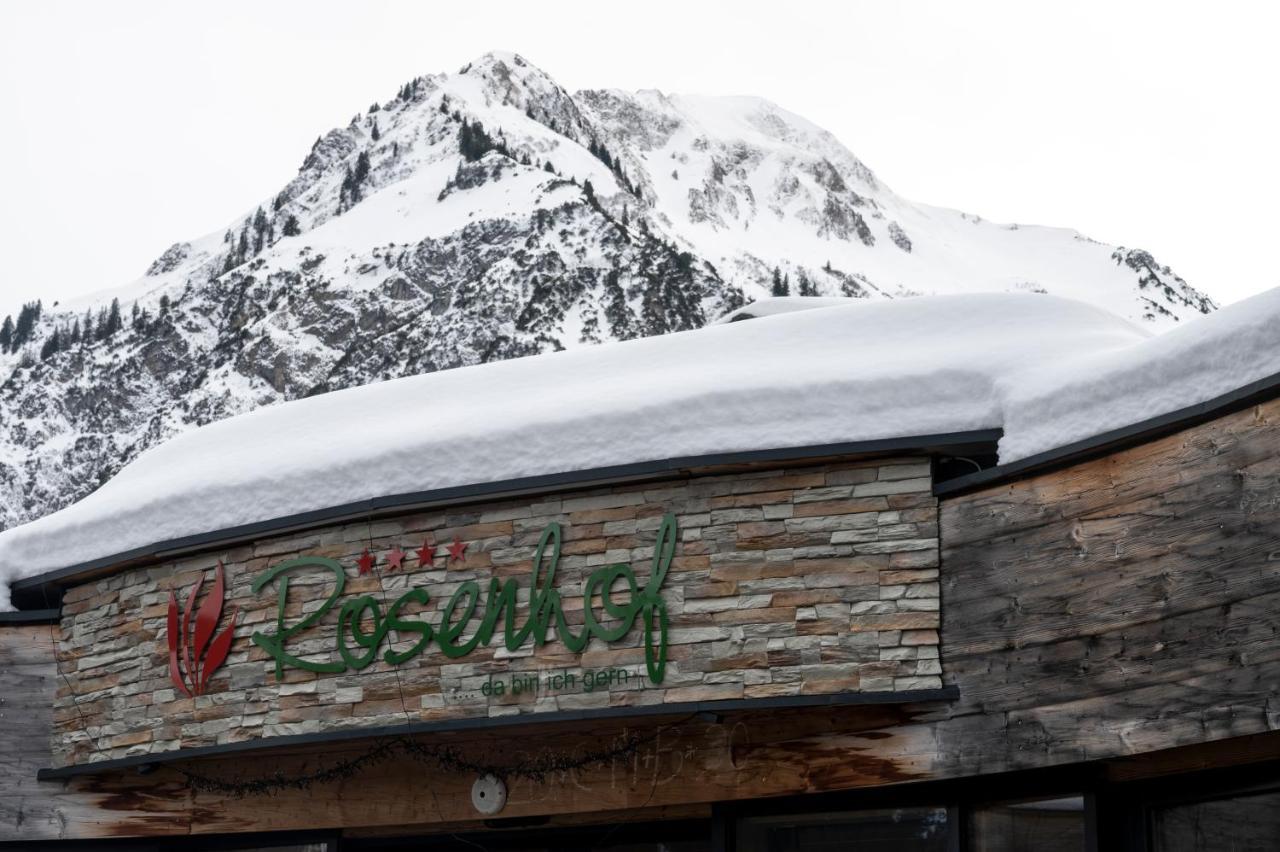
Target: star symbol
394	558
365	562
457	549
426	553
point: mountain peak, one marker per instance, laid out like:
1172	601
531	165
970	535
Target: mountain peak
490	214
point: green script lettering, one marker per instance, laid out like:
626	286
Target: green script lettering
459	611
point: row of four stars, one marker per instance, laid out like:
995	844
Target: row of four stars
426	556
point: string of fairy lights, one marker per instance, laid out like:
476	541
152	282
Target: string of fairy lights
536	768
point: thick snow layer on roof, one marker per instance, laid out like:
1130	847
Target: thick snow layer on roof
1049	371
783	305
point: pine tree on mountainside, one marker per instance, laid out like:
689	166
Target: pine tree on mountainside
779	287
807	287
374	133
259	230
473	141
52	344
616	310
6	334
26	324
114	323
291	227
347	190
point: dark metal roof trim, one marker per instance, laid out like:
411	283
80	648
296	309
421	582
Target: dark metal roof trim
1116	439
30	616
737	705
950	442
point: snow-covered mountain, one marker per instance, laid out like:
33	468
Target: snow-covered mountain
490	214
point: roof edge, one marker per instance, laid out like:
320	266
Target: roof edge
1161	425
25	617
40	585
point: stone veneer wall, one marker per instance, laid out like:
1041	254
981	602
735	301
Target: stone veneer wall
809	580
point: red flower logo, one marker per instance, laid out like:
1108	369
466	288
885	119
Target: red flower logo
193	658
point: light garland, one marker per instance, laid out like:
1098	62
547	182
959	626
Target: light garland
445	757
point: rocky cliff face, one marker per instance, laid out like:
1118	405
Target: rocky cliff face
490	214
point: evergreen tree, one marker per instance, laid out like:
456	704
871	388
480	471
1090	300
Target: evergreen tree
6	334
259	230
75	332
375	134
547	167
779	287
291	227
114	322
807	287
164	304
616	311
362	168
89	329
26	324
52	344
348	189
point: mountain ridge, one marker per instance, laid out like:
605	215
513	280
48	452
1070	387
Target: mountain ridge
492	214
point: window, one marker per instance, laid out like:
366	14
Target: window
922	829
1248	823
1039	825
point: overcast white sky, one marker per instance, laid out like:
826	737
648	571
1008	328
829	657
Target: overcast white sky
127	126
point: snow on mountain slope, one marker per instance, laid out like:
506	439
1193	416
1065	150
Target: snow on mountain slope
490	214
752	186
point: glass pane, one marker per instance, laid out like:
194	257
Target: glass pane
881	830
1242	824
1042	825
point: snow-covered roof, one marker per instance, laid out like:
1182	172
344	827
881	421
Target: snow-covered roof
1048	371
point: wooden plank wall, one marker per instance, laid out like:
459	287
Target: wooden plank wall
26	716
1127	604
1109	610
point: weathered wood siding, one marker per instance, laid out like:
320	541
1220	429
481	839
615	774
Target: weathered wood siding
1105	611
26	718
1119	606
